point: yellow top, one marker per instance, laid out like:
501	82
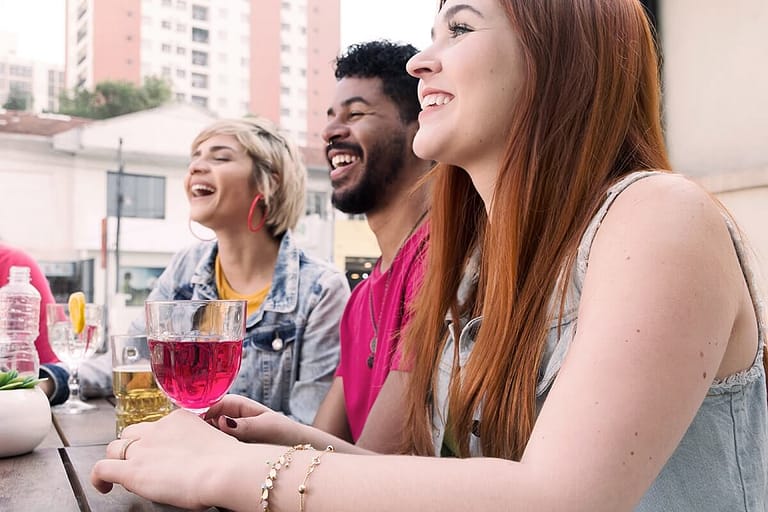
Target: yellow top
227	293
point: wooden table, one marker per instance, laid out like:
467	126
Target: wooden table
55	477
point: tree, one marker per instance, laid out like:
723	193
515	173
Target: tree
18	99
113	98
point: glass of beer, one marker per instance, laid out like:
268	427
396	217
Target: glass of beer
136	391
195	348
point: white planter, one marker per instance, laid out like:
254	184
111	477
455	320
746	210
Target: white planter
25	419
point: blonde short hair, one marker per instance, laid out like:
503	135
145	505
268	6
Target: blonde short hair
278	171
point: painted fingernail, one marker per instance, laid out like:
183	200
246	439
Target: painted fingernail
230	422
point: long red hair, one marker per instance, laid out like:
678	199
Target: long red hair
589	114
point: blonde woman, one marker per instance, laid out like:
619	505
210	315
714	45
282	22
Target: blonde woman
246	182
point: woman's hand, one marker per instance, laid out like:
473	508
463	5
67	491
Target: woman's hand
173	460
251	422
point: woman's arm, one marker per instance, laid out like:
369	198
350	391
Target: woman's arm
658	307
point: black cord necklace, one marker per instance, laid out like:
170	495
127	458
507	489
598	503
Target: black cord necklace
374	323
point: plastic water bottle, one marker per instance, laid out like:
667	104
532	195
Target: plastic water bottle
19	323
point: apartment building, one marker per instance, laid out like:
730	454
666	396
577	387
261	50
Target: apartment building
232	57
39	82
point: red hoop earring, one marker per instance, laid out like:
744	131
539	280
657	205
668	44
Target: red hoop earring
255	202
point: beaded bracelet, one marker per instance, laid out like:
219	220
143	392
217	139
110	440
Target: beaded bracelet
312	465
283	461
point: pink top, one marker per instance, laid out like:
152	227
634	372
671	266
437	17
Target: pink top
361	383
9	257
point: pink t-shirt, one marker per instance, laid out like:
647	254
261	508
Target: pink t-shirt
9	257
361	383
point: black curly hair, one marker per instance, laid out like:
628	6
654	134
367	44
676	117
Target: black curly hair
384	60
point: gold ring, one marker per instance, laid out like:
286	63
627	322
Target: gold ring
125	446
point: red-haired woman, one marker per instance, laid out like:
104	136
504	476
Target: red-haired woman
603	348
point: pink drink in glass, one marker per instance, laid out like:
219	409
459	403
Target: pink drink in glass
195	374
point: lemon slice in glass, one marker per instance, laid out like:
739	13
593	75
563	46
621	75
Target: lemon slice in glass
77	311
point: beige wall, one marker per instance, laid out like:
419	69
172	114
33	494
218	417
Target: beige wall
353	238
715	83
716	107
750	208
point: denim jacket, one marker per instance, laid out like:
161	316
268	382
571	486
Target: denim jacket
721	464
291	346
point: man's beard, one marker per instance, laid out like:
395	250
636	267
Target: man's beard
383	167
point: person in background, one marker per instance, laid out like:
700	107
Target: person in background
373	171
246	183
589	334
55	386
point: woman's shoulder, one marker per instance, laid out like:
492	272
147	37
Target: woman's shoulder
322	270
666	218
667	199
189	258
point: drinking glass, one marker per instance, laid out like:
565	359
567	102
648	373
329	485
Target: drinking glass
72	349
195	348
138	398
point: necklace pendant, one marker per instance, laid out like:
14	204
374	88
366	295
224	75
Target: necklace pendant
372	352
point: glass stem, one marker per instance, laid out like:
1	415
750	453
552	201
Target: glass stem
74	384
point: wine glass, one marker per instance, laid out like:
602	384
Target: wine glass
73	348
195	348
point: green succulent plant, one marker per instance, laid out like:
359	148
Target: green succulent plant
11	380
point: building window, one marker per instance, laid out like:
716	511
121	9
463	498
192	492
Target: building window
181	73
166	48
199	58
166	24
199	80
199	35
285	27
143	195
200	100
285	112
181	4
317	204
285	47
180	96
285	90
199	12
285	69
181	27
180	50
166	71
166	3
23	87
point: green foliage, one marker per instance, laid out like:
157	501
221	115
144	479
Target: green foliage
115	98
17	99
11	380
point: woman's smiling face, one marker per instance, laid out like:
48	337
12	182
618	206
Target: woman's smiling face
470	79
219	182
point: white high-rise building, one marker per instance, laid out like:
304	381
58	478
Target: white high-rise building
41	83
233	57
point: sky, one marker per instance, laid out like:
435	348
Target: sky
39	24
